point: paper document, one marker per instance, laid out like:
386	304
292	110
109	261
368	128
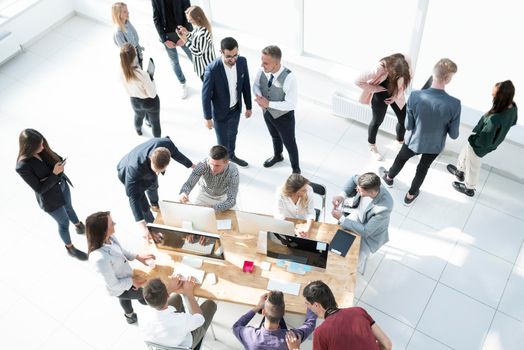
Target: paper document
284	287
188	271
224	224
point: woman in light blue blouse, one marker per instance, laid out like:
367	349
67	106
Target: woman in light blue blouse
111	261
124	30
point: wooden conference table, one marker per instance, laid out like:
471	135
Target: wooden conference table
234	285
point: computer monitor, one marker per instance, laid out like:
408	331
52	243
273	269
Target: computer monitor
202	218
253	223
297	249
187	242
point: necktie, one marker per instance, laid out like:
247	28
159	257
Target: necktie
270	82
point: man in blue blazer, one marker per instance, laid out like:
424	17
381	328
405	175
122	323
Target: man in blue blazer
138	171
226	80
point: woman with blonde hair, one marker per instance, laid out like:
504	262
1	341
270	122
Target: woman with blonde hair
382	87
141	89
125	32
295	200
199	41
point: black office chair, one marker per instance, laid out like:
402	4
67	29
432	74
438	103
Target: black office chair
321	191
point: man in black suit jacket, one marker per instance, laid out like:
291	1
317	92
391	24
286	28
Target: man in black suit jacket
139	171
168	15
226	80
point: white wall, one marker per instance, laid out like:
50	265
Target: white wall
31	23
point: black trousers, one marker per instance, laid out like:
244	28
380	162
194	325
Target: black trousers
282	131
126	297
379	108
422	168
150	108
226	130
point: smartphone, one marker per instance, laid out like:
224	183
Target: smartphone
64	160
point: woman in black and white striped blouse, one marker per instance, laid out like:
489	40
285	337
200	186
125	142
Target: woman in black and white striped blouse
199	41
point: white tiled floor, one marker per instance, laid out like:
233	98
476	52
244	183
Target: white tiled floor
452	276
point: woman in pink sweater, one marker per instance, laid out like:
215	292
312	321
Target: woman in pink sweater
382	87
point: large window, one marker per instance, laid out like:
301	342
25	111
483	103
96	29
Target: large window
483	42
358	33
273	22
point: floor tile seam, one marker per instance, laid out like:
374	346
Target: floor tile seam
431	227
467	295
498	210
387	314
432	338
323	138
492	254
371	277
506	286
511	316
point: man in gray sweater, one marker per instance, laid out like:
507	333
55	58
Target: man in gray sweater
431	115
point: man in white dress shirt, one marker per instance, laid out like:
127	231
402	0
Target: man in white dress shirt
166	322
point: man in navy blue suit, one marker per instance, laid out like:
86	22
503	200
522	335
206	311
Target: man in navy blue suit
138	171
226	80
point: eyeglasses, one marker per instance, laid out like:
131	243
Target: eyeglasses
231	57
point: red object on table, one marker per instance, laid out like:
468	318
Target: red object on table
248	266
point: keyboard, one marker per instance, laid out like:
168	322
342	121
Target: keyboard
198	248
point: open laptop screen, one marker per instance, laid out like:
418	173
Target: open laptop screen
297	249
187	242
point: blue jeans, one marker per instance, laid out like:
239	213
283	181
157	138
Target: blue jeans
226	131
64	214
173	56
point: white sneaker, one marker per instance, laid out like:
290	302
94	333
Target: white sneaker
183	91
375	153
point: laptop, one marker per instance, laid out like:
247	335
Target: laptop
187	242
253	223
202	218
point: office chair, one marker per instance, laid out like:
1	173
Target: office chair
321	191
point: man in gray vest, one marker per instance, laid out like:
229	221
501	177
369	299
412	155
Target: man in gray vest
275	88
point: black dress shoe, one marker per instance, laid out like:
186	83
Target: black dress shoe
296	171
272	161
139	132
240	162
453	170
460	187
75	253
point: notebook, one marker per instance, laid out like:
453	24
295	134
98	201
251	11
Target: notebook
341	243
284	286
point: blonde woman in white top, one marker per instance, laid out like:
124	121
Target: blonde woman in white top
141	89
295	200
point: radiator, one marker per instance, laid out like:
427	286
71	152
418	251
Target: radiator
349	108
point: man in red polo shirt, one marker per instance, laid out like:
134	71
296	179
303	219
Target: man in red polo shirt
350	328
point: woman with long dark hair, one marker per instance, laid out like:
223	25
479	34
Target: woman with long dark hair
199	41
489	133
43	170
382	87
141	89
111	261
